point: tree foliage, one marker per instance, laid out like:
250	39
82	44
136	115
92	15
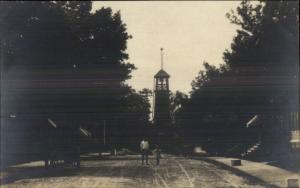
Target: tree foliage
64	41
61	61
260	76
268	34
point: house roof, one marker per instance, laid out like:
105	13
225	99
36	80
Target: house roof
161	74
84	132
253	121
52	123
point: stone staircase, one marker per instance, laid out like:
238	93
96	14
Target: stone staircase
251	150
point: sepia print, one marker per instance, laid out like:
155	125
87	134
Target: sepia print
149	94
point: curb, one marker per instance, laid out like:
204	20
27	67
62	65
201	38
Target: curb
237	172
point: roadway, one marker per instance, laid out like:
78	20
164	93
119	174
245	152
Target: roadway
126	172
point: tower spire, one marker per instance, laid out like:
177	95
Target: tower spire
161	59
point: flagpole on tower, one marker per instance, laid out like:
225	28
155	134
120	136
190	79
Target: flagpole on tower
161	56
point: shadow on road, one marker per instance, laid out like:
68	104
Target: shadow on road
111	158
19	173
90	166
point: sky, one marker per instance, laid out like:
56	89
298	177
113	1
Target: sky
189	31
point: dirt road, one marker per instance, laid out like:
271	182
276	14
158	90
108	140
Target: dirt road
126	172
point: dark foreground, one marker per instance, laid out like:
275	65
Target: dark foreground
126	172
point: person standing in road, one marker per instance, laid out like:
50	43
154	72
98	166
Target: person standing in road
157	152
144	150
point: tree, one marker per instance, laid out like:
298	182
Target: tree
267	36
65	41
259	75
61	61
210	74
177	100
266	49
133	122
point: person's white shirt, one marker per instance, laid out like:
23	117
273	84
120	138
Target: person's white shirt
144	145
